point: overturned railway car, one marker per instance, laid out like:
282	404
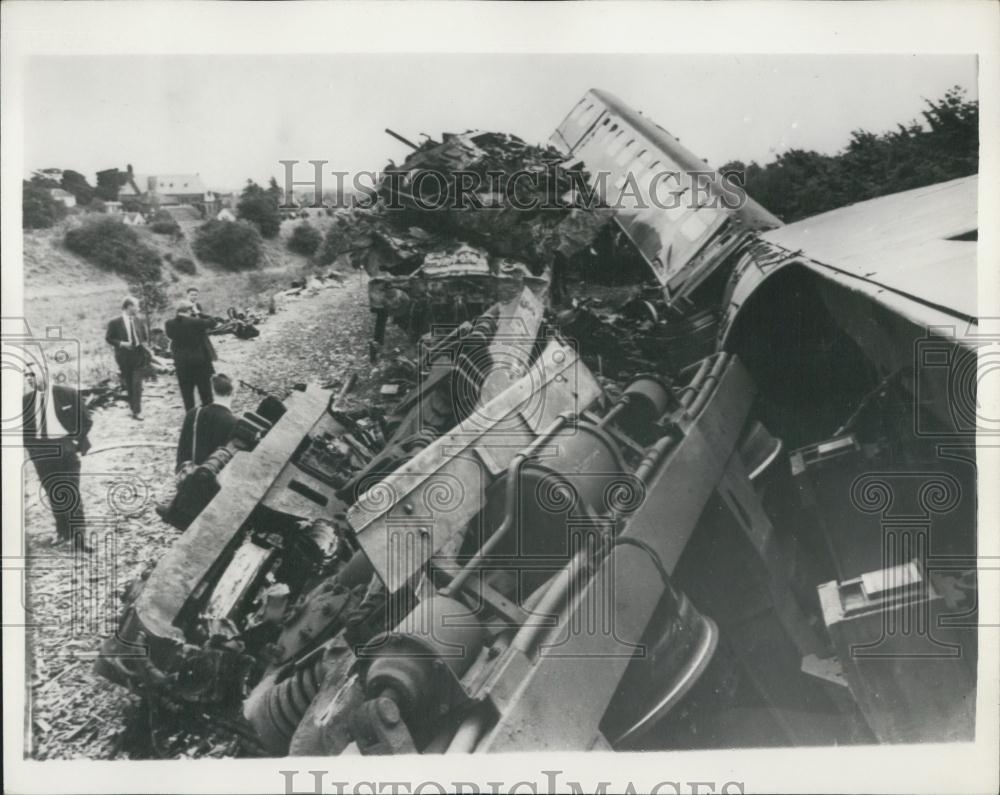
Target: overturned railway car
772	544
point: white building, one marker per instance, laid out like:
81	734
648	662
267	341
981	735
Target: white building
65	197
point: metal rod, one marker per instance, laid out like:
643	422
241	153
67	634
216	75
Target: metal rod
710	381
688	392
401	139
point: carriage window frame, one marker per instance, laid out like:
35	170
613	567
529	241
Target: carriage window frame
624	155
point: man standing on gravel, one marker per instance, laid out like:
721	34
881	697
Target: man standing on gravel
129	336
193	353
55	427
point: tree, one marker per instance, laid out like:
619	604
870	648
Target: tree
38	209
260	207
274	192
46	178
305	239
109	182
74	182
235	245
152	295
801	183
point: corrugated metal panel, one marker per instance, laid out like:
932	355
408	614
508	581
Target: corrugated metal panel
900	242
751	214
668	201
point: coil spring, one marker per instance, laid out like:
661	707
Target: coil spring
284	704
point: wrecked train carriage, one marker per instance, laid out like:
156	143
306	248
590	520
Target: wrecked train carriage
806	529
859	327
685	220
748	567
842	533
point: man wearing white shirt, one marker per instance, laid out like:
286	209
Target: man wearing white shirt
55	426
128	335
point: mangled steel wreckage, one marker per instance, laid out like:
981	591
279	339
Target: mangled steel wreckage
739	510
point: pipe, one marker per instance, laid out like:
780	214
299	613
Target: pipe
511	507
467	735
547	596
688	392
615	410
524	640
706	391
650	461
122	445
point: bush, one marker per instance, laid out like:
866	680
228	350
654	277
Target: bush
97	206
38	209
305	239
261	208
114	247
165	224
234	245
185	266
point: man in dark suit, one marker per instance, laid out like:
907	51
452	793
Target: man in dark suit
192	353
56	424
197	311
129	337
207	428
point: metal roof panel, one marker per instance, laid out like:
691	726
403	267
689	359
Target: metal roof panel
901	242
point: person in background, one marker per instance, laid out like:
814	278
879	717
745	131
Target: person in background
197	311
192	353
129	337
55	429
207	428
192	296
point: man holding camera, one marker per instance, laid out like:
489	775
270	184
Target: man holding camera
193	353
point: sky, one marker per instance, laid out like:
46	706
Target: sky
231	118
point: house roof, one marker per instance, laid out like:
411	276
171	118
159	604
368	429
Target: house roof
165	183
179	183
59	193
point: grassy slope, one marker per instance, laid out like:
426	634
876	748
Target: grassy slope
66	291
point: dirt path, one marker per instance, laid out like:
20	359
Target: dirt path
73	603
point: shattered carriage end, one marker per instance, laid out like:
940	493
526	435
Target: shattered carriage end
717	516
